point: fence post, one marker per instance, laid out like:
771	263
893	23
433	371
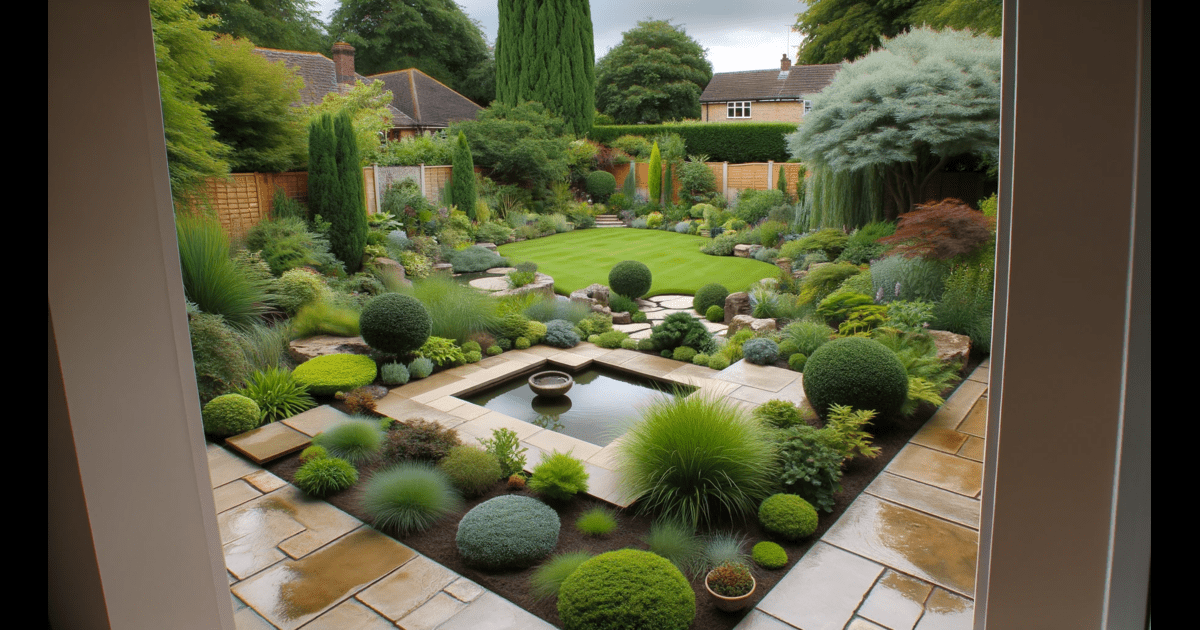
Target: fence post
725	180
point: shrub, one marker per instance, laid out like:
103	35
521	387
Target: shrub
683	353
597	521
808	336
548	578
420	368
332	373
943	230
356	441
697	458
731	579
559	477
408	497
900	278
493	232
211	279
471	469
780	414
769	555
507	532
313	452
506	448
754	205
966	305
456	310
856	372
718	362
611	339
220	363
823	280
297	288
601	184
681	329
810	467
441	351
560	334
474	259
277	394
629	343
708	296
626	589
715	314
395	323
230	414
797	362
788	516
761	351
323	476
700	359
323	318
630	278
419	439
394	374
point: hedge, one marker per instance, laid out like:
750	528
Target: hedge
722	142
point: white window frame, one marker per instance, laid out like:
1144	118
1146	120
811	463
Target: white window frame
807	106
733	107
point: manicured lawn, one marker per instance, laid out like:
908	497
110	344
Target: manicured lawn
577	259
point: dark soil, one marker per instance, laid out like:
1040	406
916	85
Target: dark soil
438	544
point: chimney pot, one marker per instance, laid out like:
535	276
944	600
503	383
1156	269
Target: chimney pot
343	63
785	64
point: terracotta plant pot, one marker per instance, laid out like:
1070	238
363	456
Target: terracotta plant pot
731	604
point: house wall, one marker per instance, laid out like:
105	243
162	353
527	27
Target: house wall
771	111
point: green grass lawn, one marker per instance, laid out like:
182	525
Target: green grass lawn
577	259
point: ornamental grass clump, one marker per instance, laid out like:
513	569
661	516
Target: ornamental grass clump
323	476
697	458
548	578
678	543
472	470
559	477
357	440
409	497
597	521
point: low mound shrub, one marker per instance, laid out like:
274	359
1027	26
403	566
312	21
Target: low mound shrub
788	516
715	314
507	532
780	414
323	476
394	374
409	497
231	414
419	439
626	589
395	323
856	372
760	351
471	469
769	555
681	329
421	367
560	333
708	296
333	373
630	278
600	185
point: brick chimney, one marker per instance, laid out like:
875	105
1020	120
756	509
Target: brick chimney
785	64
343	62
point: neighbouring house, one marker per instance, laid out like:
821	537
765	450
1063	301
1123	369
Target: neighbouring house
419	102
782	95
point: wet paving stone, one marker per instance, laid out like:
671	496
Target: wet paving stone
936	468
492	612
926	498
407	588
972	449
294	592
896	601
264	481
350	615
315	420
945	440
947	611
234	494
758	620
269	442
224	466
822	590
432	613
976	421
251	533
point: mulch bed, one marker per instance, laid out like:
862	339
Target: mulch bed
438	543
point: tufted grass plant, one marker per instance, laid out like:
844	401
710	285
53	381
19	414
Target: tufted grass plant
409	497
357	440
547	578
266	346
597	521
278	395
678	543
457	310
213	280
724	548
697	458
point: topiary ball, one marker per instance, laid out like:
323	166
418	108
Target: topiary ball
509	531
601	185
630	278
471	469
769	555
788	516
623	589
395	323
708	296
231	414
332	373
857	372
715	314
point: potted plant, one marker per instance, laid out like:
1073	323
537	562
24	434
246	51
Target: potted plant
731	586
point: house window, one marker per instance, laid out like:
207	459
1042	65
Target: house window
739	109
807	107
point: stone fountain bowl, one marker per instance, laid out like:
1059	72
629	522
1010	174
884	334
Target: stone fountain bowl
551	384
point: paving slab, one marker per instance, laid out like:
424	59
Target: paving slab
433	613
464	590
690	374
947	611
224	466
468	411
896	601
651	366
940	439
631	329
294	592
909	541
936	468
614	358
972	449
407	588
950	506
251	533
315	420
551	441
244	617
269	442
264	481
492	612
758	620
951	414
858	623
761	376
323	523
234	494
445	403
822	591
976	421
417	387
605	485
350	615
399	408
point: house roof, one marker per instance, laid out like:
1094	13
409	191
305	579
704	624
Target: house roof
762	85
317	71
426	101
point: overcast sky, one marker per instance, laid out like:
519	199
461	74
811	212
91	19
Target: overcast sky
739	34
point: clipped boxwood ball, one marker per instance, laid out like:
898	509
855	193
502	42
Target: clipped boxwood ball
769	555
708	296
715	314
395	323
858	372
231	414
788	516
332	373
623	589
509	531
630	278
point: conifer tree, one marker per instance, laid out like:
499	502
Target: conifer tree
324	188
655	175
544	53
462	182
348	232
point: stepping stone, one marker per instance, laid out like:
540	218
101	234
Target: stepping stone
316	420
822	591
269	442
407	588
499	283
896	601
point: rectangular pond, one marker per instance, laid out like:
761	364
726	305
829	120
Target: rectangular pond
599	408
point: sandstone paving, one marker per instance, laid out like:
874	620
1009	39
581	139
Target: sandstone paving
269	442
858	623
432	613
975	423
570	360
251	533
350	615
245	618
315	420
264	481
938	438
551	441
407	588
822	590
947	611
922	497
492	420
401	408
617	357
224	467
913	542
492	612
294	592
761	376
936	468
234	494
464	590
758	620
972	449
896	601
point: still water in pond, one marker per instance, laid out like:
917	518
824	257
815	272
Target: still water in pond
599	408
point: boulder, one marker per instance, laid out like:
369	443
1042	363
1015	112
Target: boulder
736	304
744	250
302	350
391	269
487	246
952	347
622	318
746	321
542	284
592	294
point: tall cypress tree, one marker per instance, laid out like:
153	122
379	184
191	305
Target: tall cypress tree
655	185
348	233
544	52
462	181
324	188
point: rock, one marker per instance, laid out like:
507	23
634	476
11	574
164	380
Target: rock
302	350
784	264
743	250
542	284
391	269
593	293
951	346
445	268
622	318
745	321
487	246
736	304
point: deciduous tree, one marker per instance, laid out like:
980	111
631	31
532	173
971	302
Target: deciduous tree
367	104
655	74
526	144
284	24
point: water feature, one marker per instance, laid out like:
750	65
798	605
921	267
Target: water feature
599	408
